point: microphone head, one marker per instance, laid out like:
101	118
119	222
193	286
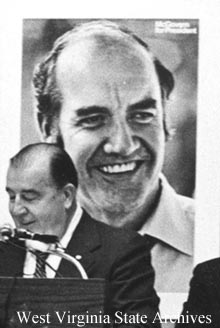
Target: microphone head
6	232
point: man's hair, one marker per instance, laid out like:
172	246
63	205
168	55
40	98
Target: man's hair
62	169
48	96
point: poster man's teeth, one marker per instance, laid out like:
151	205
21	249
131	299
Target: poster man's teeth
119	168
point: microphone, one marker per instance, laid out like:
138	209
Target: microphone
8	232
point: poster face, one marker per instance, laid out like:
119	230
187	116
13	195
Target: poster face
186	46
174	43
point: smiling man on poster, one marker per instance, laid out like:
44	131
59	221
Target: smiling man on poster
101	94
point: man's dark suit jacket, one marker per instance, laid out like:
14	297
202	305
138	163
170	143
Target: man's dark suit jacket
119	256
204	295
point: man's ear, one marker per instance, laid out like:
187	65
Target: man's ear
69	193
49	131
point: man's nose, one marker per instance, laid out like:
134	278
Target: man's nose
17	208
121	140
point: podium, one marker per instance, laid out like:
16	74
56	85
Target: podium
45	303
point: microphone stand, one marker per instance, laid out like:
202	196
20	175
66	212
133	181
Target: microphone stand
59	251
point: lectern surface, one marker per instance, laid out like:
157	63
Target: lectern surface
45	303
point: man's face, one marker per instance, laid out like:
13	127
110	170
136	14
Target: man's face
34	202
111	123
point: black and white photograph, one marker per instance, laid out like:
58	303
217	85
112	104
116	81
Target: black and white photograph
109	170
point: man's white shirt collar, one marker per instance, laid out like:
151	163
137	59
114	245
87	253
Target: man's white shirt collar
52	260
168	222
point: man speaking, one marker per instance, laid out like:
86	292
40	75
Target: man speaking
41	184
101	94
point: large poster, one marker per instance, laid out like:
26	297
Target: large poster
174	43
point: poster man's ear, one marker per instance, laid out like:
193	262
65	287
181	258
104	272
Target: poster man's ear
49	131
